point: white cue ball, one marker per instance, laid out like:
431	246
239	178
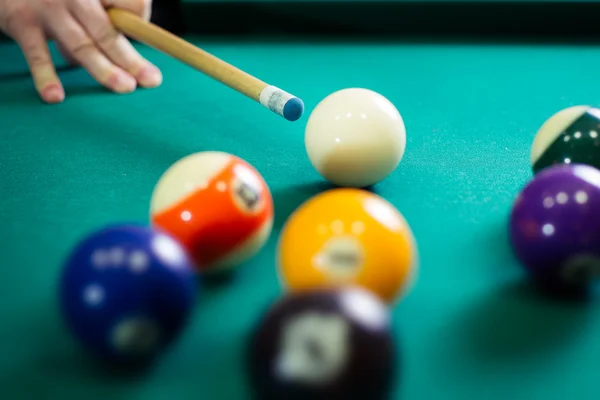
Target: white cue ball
355	138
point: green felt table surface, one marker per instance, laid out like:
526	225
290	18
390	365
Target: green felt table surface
471	328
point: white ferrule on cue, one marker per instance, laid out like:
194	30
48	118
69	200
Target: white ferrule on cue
275	99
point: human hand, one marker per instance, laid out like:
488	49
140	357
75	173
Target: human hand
85	35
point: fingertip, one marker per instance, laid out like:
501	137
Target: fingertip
122	82
52	93
149	77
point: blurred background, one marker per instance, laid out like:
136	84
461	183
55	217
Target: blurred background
534	18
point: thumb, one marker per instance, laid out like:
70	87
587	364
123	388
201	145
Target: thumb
143	8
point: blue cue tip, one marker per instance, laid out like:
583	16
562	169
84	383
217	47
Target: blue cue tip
293	109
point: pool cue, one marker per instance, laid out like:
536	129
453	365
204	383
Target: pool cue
279	101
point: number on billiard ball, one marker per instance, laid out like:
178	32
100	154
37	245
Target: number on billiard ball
248	195
555	226
341	258
126	292
323	344
571	136
313	347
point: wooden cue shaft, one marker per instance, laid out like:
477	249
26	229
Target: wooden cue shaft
162	40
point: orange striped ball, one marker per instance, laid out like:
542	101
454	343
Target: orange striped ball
217	206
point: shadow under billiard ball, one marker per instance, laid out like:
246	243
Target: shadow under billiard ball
582	290
218	279
323	344
507	329
121	369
